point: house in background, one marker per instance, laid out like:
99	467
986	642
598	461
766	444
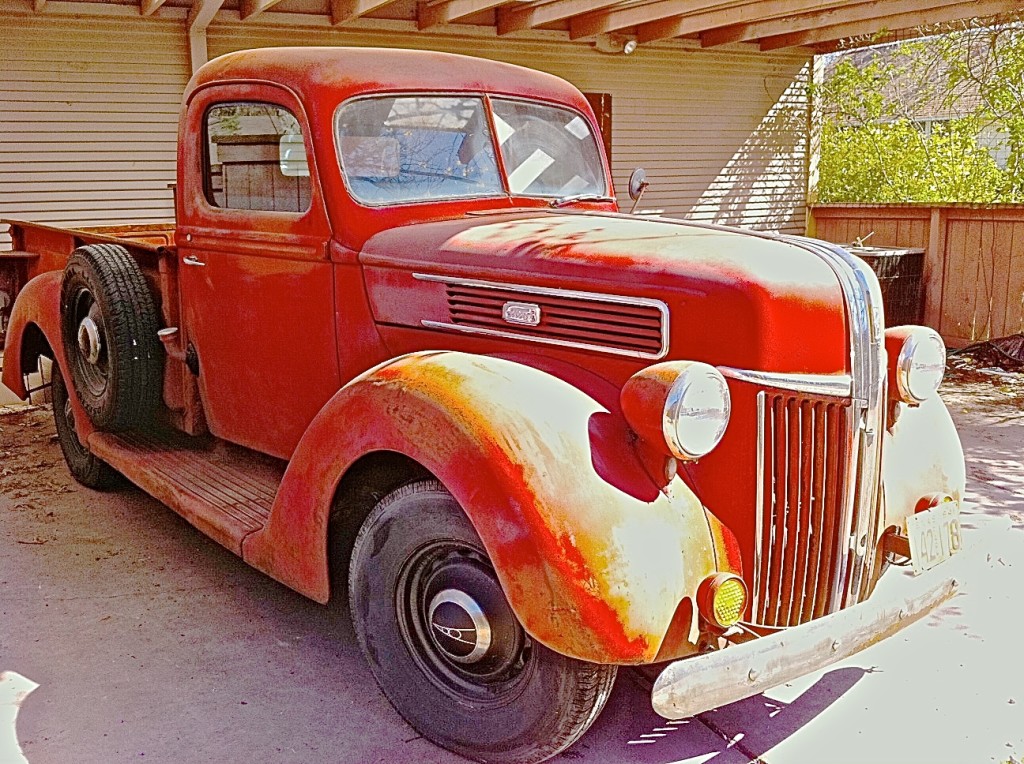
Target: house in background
709	96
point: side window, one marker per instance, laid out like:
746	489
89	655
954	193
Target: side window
255	159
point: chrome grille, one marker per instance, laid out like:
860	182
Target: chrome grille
803	465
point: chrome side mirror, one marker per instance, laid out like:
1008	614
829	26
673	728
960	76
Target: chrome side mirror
637	185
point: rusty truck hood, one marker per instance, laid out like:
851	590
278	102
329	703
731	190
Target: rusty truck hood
734	298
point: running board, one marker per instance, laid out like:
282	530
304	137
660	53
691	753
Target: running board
223	490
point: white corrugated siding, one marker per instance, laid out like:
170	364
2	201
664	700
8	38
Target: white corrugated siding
720	133
88	110
88	118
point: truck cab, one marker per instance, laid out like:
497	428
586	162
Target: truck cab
402	346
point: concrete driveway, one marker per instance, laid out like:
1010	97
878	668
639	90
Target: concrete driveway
150	643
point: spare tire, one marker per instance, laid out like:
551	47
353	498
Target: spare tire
109	329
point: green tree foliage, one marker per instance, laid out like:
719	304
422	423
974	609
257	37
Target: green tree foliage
915	122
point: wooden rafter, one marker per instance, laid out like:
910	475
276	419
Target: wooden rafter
844	14
149	7
447	11
590	24
202	14
741	13
522	16
347	10
38	5
910	20
249	8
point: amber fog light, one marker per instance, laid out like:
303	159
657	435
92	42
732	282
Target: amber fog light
722	598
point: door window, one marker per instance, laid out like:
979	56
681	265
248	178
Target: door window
255	158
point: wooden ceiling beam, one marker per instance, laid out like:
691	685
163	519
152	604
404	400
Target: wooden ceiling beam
843	14
347	10
591	24
202	14
38	5
523	16
741	13
447	11
149	7
249	8
892	22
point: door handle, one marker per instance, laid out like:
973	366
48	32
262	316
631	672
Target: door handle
192	260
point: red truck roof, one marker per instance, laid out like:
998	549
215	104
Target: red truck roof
340	73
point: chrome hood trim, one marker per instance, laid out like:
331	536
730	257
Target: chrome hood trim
835	385
868	366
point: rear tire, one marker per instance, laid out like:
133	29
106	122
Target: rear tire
109	328
444	645
84	466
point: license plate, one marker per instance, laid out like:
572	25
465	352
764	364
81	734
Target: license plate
934	535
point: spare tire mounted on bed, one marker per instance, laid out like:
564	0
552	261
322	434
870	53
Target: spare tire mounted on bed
109	329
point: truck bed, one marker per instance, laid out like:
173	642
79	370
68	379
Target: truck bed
38	248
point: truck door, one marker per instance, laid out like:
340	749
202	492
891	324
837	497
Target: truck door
257	299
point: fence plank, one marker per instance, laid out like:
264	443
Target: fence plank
1002	255
981	328
953	300
1013	321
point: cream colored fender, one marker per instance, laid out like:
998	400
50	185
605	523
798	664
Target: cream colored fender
593	557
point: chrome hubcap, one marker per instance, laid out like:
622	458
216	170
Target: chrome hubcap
458	626
89	340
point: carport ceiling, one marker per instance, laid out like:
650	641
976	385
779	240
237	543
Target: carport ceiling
769	24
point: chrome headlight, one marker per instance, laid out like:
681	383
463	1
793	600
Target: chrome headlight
696	411
920	365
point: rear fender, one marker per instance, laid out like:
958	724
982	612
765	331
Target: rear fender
593	557
38	306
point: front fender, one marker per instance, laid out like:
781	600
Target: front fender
593	557
921	455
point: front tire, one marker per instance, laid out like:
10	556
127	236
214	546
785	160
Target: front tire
444	645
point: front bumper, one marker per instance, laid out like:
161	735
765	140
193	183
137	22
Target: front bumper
693	685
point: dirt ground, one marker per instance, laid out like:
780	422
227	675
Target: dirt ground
151	643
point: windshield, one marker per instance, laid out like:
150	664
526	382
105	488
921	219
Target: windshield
547	151
416	148
422	148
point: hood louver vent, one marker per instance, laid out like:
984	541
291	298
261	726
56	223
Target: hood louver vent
630	326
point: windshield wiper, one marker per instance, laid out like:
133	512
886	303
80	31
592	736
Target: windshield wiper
564	200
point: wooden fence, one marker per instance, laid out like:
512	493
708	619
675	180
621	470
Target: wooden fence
973	266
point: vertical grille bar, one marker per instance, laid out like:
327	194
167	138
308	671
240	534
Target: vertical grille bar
779	486
792	513
805	511
803	473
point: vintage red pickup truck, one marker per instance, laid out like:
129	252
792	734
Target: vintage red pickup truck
401	333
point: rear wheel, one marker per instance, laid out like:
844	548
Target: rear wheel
445	646
84	466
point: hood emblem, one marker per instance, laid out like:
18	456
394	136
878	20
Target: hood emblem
521	313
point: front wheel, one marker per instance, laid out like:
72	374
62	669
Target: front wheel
445	646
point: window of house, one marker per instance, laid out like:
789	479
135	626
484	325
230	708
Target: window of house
255	158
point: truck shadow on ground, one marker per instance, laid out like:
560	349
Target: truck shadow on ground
631	733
